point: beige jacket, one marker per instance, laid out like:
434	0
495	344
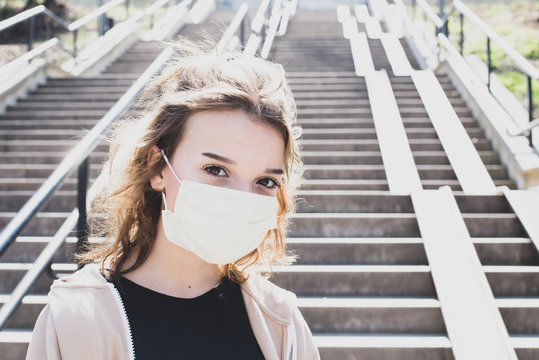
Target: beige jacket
85	319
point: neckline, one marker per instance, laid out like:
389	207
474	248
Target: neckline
211	293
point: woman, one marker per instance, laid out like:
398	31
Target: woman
192	196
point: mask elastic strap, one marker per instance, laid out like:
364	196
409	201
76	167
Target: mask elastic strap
170	166
164	200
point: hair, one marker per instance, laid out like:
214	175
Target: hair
126	209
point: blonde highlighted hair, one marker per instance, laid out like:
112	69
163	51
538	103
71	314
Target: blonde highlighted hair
199	78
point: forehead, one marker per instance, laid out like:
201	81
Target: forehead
235	134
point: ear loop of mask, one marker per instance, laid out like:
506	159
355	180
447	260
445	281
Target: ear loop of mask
173	172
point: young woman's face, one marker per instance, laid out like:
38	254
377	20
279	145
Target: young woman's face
227	148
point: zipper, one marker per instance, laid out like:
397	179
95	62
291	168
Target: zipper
125	321
291	343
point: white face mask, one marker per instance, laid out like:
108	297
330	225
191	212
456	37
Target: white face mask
218	224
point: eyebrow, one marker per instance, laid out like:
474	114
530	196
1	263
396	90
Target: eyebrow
229	161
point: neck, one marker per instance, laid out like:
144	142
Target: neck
174	271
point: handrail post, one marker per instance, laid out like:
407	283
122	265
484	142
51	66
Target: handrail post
489	63
530	108
75	36
82	186
461	40
31	31
445	27
442	5
242	33
101	20
414	4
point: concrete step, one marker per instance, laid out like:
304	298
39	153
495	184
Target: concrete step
381	184
17	114
401	347
426	172
44	145
341	280
395	280
63	106
113	90
349	184
395	225
14	344
334	251
44	223
364	111
87	82
370	133
372	144
73	97
43	157
337	123
54	124
404	315
401	251
375	157
24	184
357	94
34	171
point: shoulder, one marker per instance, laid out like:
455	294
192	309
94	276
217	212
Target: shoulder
75	297
274	300
280	306
80	304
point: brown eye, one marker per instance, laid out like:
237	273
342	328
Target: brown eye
269	183
215	170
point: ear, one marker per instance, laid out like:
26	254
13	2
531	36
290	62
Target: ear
158	180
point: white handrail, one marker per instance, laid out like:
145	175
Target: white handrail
25	58
233	27
103	9
524	130
259	19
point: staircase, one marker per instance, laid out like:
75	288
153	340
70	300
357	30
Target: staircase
363	278
35	135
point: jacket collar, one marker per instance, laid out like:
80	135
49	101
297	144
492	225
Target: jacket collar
276	302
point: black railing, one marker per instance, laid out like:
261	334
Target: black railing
78	157
30	15
523	66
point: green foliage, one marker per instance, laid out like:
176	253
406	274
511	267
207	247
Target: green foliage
516	23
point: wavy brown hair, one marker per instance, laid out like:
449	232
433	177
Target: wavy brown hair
126	209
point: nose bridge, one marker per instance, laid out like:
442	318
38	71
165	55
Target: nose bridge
241	183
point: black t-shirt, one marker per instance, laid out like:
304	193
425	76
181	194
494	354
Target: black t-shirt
213	325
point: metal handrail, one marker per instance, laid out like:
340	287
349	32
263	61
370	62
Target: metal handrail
25	58
522	64
524	130
94	14
77	157
273	25
156	6
260	18
31	13
237	22
278	23
438	22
